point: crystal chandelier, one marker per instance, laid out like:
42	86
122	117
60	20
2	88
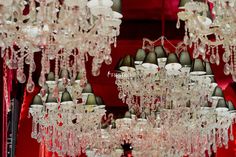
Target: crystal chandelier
167	133
170	99
66	125
60	34
209	35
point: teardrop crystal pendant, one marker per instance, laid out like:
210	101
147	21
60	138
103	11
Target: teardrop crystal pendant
28	59
186	40
227	69
178	24
21	76
42	80
213	59
226	57
217	59
108	60
30	85
95	71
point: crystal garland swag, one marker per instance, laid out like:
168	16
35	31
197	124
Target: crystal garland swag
171	99
208	35
64	32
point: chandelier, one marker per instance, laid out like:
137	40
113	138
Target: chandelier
209	35
57	34
170	99
66	125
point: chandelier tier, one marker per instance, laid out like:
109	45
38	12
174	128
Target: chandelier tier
63	32
170	99
63	125
208	36
162	77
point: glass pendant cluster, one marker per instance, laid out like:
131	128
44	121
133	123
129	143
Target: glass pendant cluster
65	125
175	106
63	33
210	31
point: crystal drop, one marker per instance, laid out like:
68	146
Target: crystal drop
234	77
225	57
2	52
217	59
186	40
28	59
195	53
204	57
212	59
108	60
41	80
231	137
95	72
178	24
227	69
30	85
51	56
21	76
33	66
2	44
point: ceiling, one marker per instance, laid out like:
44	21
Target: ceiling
149	9
147	18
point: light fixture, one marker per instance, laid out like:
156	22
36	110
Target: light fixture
197	67
150	61
127	63
161	55
140	56
167	109
64	124
185	61
209	36
57	34
172	63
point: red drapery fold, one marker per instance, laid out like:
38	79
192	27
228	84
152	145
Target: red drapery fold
7	88
26	146
4	116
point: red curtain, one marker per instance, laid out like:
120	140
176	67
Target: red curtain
26	146
7	75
